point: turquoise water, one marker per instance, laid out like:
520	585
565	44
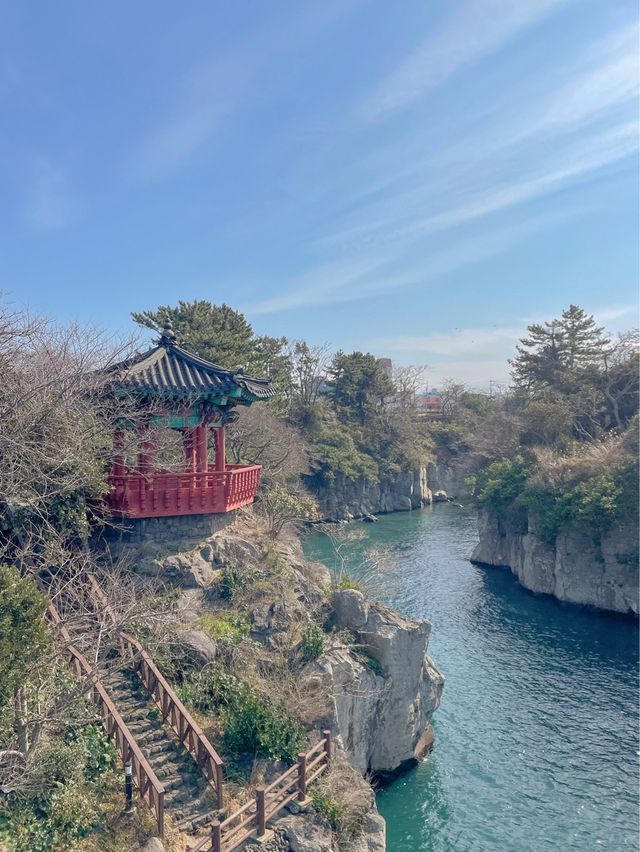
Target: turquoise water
536	737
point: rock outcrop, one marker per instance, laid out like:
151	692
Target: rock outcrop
341	498
575	568
379	698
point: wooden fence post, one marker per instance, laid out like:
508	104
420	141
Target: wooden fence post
260	811
302	777
327	746
128	784
219	782
216	836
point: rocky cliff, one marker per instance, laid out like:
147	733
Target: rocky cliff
343	498
575	567
374	685
382	697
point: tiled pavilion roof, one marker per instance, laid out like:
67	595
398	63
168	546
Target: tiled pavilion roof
172	372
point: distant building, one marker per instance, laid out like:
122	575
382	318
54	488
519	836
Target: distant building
386	365
431	402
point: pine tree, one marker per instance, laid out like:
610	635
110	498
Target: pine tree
555	353
583	341
221	335
540	357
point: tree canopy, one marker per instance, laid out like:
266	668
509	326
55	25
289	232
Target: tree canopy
555	352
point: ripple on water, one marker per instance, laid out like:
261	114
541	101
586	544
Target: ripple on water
536	738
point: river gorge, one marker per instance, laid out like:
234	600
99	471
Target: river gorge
536	736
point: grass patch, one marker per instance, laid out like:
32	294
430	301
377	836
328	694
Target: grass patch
226	627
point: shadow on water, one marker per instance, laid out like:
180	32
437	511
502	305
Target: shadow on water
536	737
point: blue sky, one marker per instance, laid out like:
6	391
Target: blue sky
417	179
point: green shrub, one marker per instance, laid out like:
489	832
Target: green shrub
226	627
232	579
210	689
370	662
254	725
593	505
312	642
333	811
100	755
499	484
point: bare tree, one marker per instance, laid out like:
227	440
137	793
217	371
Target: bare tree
309	365
408	382
259	437
452	393
620	369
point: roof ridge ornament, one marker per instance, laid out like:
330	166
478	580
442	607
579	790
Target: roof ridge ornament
168	335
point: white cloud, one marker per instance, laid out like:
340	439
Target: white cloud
402	219
372	274
50	204
611	313
479	28
460	341
210	94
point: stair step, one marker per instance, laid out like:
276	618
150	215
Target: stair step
189	799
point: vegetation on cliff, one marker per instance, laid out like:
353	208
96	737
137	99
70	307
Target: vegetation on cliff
562	446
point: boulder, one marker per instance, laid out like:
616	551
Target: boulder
224	549
306	833
440	497
198	647
379	717
351	608
373	837
154	844
187	570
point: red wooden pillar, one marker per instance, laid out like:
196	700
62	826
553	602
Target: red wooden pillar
221	451
188	439
118	456
200	436
146	455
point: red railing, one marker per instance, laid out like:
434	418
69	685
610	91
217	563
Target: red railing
251	819
175	714
151	790
156	495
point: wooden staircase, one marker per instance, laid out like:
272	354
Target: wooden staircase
189	798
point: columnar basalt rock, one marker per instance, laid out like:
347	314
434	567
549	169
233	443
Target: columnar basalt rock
575	567
380	711
342	498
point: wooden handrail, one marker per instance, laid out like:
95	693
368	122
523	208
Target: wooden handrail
269	801
150	788
173	710
176	714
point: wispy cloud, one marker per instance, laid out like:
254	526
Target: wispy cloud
371	274
460	341
479	28
606	82
474	356
50	204
400	217
210	94
611	313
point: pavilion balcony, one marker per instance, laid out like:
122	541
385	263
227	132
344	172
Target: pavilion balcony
160	494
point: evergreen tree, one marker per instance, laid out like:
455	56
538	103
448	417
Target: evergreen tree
540	357
24	637
359	385
583	341
556	352
221	335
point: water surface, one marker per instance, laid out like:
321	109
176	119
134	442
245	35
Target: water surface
536	737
